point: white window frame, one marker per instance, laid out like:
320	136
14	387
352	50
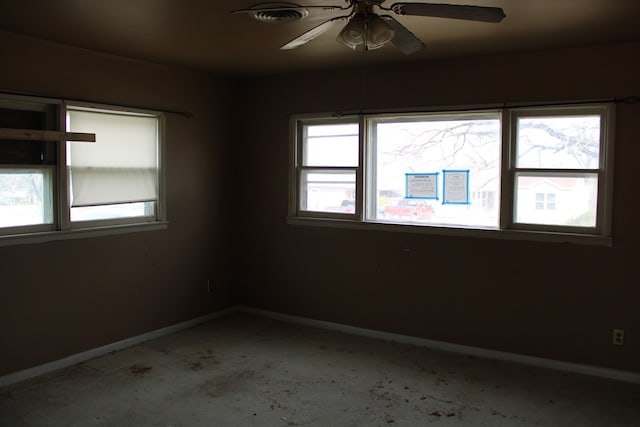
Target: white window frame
604	171
508	228
297	172
63	228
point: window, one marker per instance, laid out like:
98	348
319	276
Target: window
118	176
484	199
25	197
26	169
329	166
55	187
423	150
510	170
559	160
545	201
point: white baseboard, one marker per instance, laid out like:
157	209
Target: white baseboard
74	359
595	371
577	368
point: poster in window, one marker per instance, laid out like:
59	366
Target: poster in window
455	187
422	185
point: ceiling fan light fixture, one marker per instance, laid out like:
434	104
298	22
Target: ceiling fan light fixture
379	33
366	28
352	35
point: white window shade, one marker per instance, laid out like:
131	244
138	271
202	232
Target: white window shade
121	166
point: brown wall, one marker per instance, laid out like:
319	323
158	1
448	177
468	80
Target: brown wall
60	298
550	300
227	206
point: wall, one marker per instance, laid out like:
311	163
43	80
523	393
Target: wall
496	298
64	297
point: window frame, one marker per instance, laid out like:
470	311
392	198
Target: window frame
159	204
51	110
297	154
62	228
604	171
508	228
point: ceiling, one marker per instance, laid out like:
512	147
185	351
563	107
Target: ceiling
204	34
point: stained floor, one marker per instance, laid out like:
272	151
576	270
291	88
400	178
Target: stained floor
249	371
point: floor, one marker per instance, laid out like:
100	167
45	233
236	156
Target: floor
248	371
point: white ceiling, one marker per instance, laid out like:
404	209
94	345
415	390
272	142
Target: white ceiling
204	34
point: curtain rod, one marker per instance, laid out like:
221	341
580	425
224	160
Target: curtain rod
186	114
625	100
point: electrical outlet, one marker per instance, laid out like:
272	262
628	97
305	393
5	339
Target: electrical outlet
210	286
618	337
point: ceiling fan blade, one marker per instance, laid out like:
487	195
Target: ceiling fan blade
454	11
403	39
286	8
313	33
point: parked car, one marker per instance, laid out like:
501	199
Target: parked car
410	209
347	206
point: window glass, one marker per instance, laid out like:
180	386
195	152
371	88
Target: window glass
26	152
556	200
330	160
26	168
331	145
124	210
430	145
570	142
117	176
25	197
328	191
556	145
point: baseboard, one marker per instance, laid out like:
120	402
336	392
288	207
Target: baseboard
590	370
74	359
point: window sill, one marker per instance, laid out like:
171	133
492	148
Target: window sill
50	236
534	236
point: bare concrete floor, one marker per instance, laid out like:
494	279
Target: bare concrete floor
248	371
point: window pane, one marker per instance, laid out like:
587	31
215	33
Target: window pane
551	201
121	166
328	191
125	210
25	197
571	142
556	200
26	152
431	144
331	145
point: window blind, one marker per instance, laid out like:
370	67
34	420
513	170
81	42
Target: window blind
121	166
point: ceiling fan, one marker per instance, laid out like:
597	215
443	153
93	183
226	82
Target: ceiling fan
367	28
